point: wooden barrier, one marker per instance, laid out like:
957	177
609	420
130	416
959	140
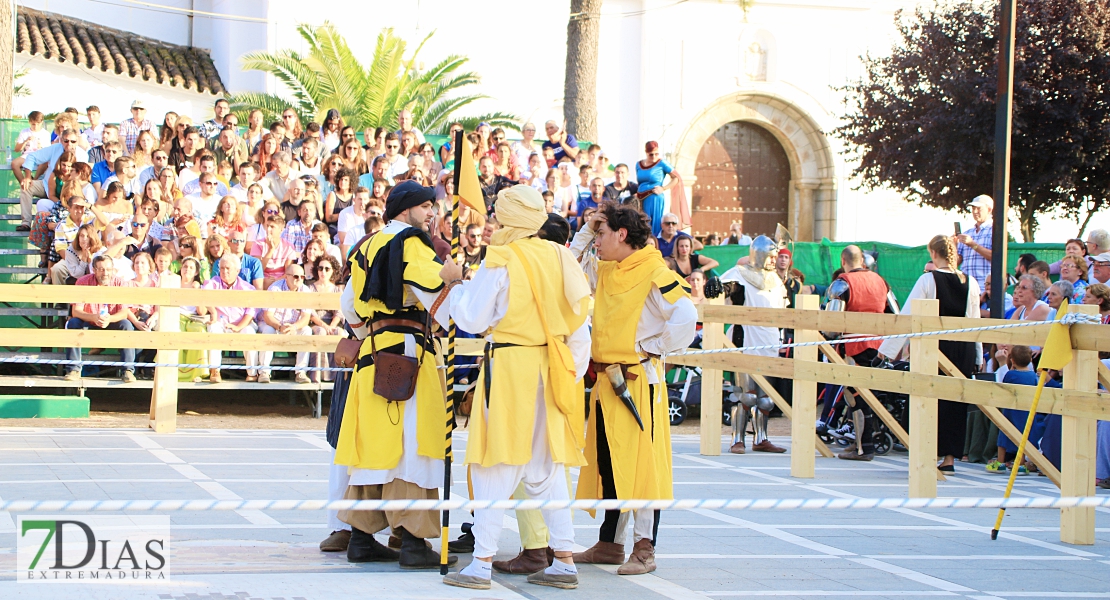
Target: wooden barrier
167	339
804	398
713	337
923	408
1077	446
1080	404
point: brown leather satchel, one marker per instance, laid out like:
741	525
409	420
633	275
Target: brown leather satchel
347	351
395	375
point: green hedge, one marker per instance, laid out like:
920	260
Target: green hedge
899	265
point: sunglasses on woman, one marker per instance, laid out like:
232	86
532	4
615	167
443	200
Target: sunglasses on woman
270	211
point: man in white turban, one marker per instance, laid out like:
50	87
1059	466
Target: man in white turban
527	421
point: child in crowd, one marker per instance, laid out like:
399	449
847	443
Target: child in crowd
1020	372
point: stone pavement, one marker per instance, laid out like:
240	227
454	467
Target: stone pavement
701	554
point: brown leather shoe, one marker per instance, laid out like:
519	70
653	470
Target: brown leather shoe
337	541
767	446
737	448
852	454
525	563
641	561
601	553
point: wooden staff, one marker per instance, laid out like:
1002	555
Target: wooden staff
450	403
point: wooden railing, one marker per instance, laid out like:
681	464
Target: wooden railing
1079	402
168	340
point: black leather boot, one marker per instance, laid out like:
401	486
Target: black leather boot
465	543
415	553
364	548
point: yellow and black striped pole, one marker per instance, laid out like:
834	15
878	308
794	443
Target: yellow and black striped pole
448	454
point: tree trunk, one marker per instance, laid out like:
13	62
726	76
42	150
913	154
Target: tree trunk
7	58
580	88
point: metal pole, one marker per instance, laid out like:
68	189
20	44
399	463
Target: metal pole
1007	17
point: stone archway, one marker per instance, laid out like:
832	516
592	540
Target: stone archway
811	212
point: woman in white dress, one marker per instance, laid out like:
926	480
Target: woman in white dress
959	297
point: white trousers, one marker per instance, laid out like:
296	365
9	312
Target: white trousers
337	487
268	357
249	356
543	480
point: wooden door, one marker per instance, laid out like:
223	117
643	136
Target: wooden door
742	175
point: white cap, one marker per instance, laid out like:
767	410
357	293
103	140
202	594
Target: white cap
982	201
1104	257
138	104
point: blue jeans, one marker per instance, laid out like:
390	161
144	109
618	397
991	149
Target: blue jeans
126	354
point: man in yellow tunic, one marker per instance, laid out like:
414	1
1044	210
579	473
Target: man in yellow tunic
394	449
527	420
642	310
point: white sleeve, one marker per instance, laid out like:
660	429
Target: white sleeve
476	305
347	307
579	344
581	241
925	288
428	299
974	295
680	322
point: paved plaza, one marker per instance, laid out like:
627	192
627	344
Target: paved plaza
701	554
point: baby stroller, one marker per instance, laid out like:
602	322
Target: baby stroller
684	395
836	424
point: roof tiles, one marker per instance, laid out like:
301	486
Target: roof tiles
109	50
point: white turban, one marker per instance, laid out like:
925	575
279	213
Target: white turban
521	212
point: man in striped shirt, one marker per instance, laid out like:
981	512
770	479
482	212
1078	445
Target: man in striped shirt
974	245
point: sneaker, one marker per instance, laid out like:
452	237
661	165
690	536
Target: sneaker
128	377
1021	470
301	378
844	432
996	467
73	376
1104	484
263	378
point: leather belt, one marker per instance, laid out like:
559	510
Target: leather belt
599	368
379	324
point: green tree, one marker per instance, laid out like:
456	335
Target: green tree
921	120
330	76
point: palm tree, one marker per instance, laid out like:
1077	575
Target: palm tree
330	76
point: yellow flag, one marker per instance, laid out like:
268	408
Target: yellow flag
466	178
1057	348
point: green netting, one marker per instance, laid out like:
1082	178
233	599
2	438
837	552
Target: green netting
899	265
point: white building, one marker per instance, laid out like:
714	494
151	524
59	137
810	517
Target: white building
742	103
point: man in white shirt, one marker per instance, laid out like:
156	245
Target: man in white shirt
205	164
736	236
398	165
31	170
94	133
286	321
205	201
248	175
282	175
404	119
159	160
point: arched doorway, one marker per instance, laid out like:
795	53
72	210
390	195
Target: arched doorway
742	174
811	195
